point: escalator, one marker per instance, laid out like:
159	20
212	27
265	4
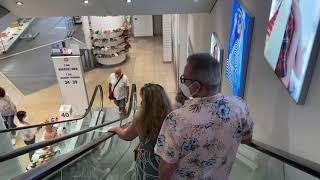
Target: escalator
101	155
88	119
93	124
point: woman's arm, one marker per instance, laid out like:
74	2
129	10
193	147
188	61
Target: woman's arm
128	133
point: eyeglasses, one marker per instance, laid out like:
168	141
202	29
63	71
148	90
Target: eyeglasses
183	80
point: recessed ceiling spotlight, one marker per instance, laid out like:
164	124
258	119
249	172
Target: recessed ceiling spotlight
129	1
19	3
86	1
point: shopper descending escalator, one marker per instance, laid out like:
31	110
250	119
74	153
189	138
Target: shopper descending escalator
12	167
28	135
119	89
8	110
201	139
146	125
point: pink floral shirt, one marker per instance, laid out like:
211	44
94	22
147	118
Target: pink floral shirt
203	137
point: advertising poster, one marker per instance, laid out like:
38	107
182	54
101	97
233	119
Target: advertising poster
290	47
238	49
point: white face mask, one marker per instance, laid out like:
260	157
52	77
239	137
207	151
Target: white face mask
186	91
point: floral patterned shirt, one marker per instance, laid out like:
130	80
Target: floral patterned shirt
203	137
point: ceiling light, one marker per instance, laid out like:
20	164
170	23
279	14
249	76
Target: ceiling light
129	1
19	3
85	1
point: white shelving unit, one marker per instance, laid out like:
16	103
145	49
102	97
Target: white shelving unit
10	35
110	47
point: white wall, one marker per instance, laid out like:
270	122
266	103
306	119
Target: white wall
166	42
278	120
142	26
182	44
86	31
103	23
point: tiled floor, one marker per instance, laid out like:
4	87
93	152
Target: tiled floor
30	74
19	65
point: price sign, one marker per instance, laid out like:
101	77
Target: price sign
65	112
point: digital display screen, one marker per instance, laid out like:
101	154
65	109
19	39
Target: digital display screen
289	48
238	48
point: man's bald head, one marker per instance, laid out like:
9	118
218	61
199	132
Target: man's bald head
118	72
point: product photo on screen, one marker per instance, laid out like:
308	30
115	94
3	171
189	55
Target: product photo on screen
241	26
291	47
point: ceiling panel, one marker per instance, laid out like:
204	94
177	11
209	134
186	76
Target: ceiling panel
31	8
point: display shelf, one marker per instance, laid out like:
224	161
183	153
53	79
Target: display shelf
109	51
110	47
107	35
10	35
107	43
113	60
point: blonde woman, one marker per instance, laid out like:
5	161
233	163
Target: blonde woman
146	125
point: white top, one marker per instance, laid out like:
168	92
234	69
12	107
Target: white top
120	91
26	134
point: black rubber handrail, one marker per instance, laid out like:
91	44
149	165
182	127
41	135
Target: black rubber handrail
97	88
299	163
18	152
47	169
54	165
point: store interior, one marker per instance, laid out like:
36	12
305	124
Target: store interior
154	48
27	71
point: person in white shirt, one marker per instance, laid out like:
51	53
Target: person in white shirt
28	135
8	110
119	89
9	168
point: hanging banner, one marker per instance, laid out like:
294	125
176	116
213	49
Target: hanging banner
69	73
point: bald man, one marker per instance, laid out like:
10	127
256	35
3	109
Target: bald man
119	89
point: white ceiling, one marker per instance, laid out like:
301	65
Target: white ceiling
32	8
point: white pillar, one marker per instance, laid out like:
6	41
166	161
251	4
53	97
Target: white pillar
167	40
86	31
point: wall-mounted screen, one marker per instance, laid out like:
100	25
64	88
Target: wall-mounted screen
215	48
290	48
238	49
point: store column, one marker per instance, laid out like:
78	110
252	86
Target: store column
86	30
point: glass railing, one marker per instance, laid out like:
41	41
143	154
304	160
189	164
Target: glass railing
61	128
116	162
108	160
17	161
105	156
252	164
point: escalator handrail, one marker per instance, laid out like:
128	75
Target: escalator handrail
26	149
40	172
63	160
302	164
307	166
88	110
